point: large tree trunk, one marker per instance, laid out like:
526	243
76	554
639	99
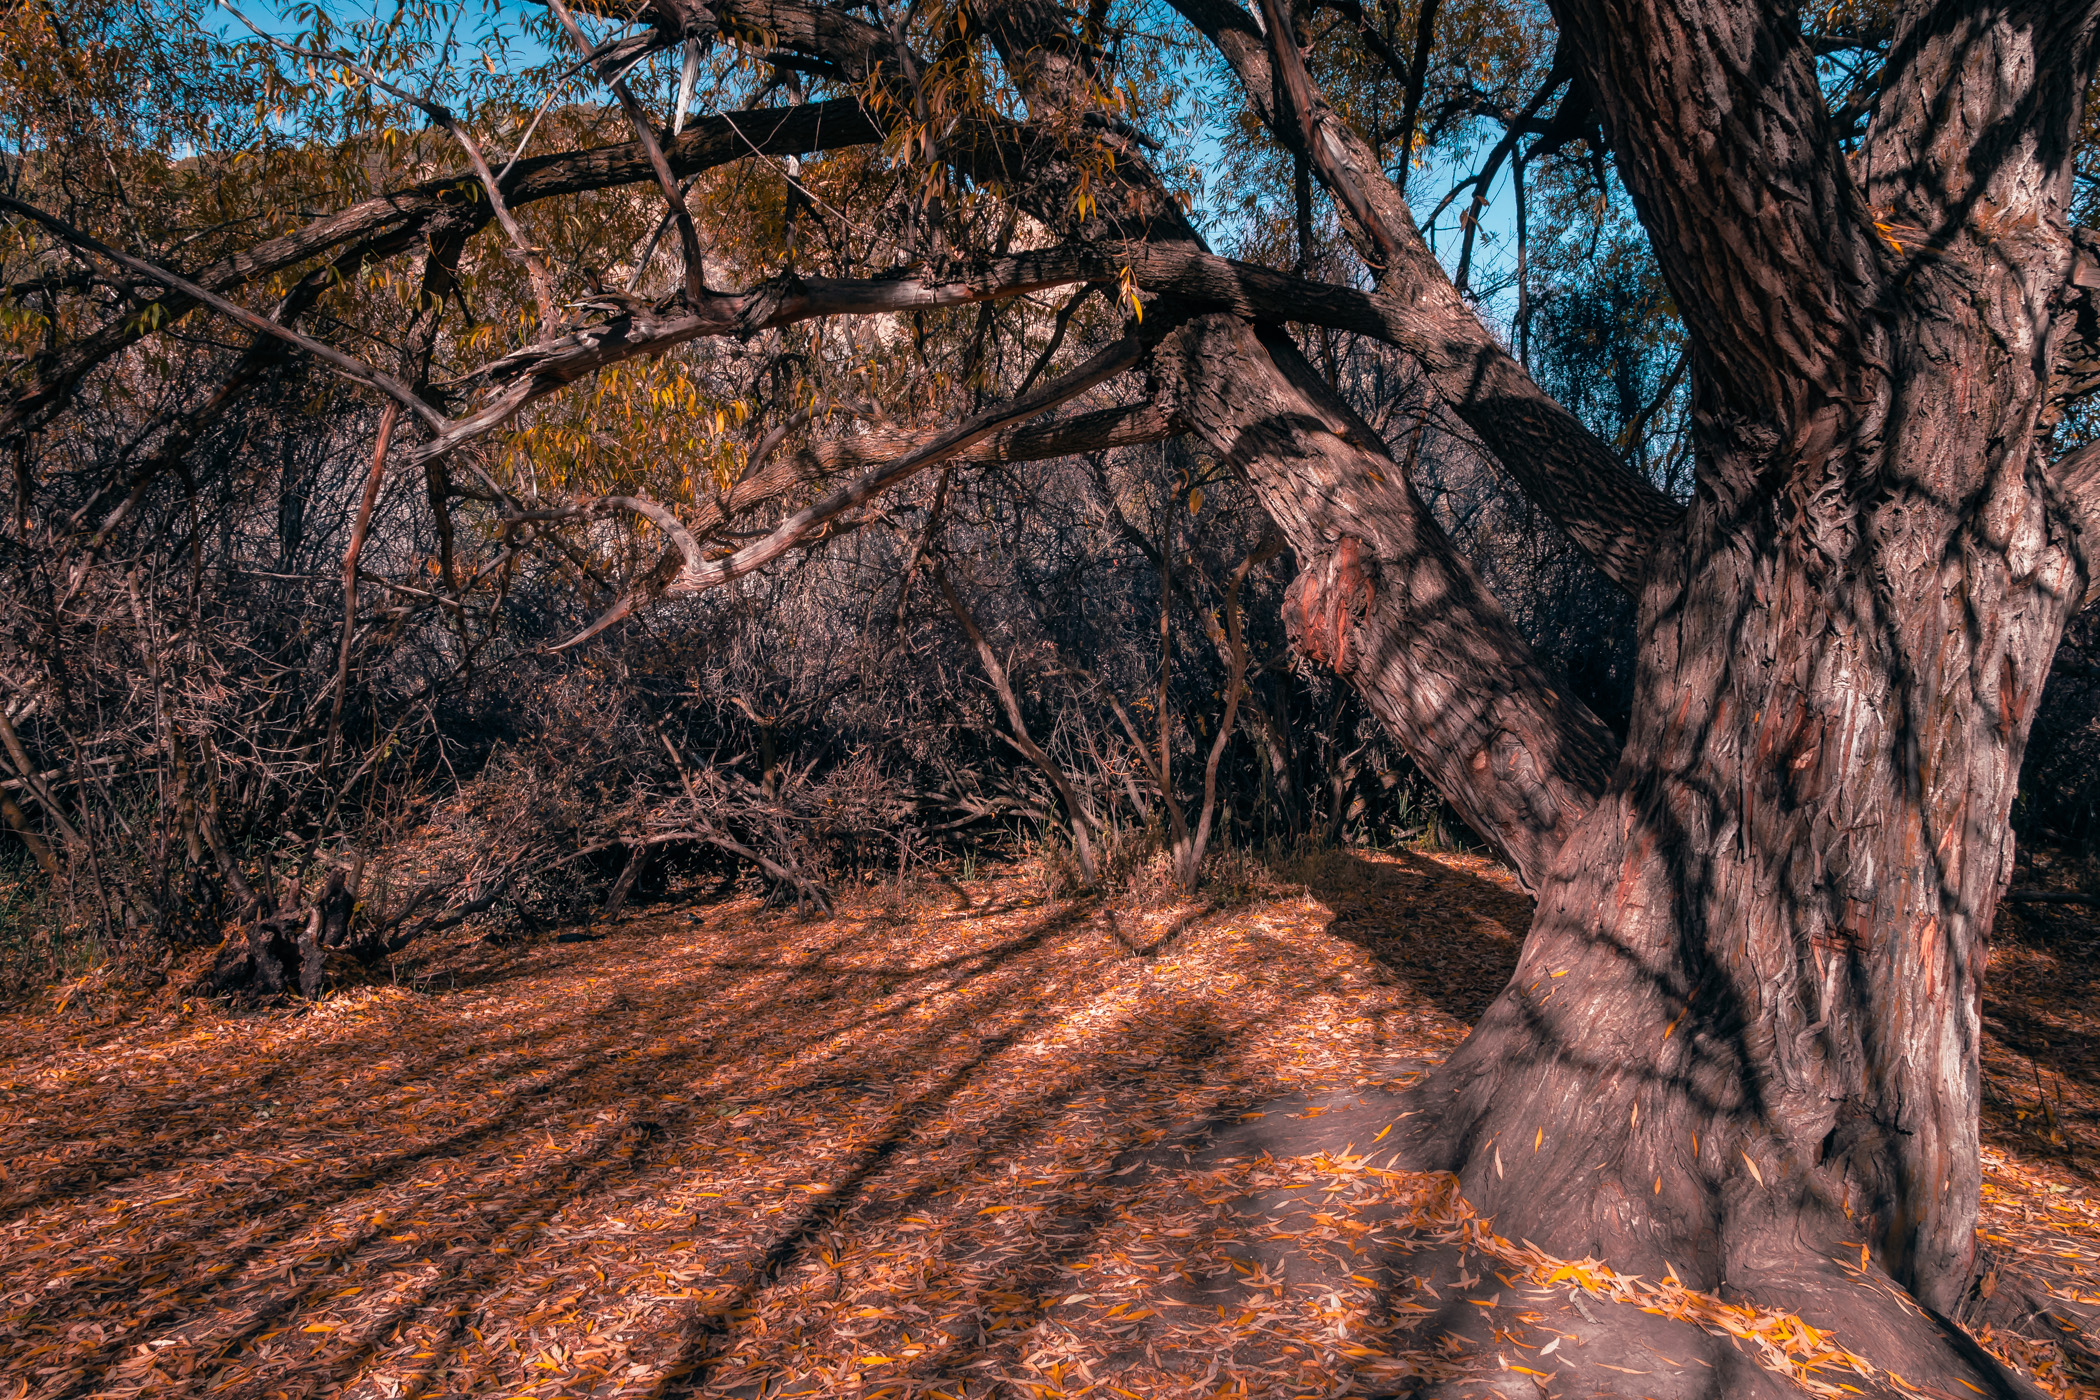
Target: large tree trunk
1743	1035
1745	1027
1769	939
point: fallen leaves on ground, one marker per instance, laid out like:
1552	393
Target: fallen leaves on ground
2041	1131
724	1151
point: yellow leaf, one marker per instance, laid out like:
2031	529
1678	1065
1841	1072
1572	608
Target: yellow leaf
1381	1134
322	1327
1760	1176
1539	1141
1195	500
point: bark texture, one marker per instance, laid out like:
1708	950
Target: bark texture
1384	599
1747	1020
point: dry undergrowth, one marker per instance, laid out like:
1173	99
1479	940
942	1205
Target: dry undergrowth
724	1151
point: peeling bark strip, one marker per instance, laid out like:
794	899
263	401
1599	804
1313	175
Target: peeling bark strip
1326	602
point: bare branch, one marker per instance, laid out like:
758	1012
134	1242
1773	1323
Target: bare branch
1077	817
696	576
349	366
394	221
351	553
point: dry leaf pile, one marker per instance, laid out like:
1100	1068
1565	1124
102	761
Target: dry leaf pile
726	1152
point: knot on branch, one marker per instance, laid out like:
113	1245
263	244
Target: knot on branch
1327	599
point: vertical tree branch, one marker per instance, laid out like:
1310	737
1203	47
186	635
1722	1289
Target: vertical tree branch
1075	810
1417	81
350	556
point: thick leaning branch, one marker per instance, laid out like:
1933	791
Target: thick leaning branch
1384	599
1097	430
1726	144
1381	596
1611	513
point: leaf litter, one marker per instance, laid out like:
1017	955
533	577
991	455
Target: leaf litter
905	1151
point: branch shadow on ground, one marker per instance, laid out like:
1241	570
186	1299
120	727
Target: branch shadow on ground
1446	933
296	1203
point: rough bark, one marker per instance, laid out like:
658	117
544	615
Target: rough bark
1745	1026
1384	599
1437	656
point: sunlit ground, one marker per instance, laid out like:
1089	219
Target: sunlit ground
727	1151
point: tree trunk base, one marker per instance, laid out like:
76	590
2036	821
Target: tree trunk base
1468	1312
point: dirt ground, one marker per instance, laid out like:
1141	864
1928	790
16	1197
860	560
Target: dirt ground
1025	1147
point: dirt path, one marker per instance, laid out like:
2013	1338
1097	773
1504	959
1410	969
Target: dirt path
721	1151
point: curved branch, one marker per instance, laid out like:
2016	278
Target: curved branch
695	575
1613	514
439	113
